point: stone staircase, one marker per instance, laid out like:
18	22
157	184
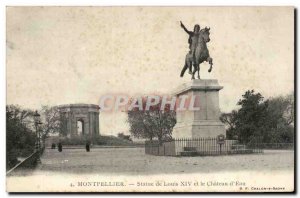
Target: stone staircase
210	150
238	147
189	151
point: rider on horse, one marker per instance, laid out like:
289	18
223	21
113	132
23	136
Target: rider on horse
199	52
193	40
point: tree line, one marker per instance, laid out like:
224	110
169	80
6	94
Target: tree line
261	120
21	134
256	120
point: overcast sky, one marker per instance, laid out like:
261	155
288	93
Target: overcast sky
62	55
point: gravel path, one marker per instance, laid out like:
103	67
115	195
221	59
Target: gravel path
134	161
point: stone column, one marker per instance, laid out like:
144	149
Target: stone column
73	125
97	124
204	122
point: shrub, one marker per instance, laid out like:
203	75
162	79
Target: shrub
100	140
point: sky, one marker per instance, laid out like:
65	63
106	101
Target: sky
65	55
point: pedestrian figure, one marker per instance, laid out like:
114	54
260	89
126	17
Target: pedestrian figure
53	146
87	147
59	147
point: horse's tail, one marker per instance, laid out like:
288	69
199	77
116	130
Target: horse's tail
187	64
184	69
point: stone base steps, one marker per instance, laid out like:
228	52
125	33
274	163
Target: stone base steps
189	151
238	147
235	149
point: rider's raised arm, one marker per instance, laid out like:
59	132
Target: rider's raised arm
186	30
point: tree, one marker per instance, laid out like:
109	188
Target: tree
251	117
24	116
51	121
282	108
230	120
20	139
123	136
269	121
281	118
152	123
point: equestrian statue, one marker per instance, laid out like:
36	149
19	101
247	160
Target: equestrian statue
198	50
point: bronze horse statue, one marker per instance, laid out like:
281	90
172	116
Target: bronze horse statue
201	55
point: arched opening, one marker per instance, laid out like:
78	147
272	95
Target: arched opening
80	127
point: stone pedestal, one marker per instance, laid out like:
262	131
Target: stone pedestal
203	122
